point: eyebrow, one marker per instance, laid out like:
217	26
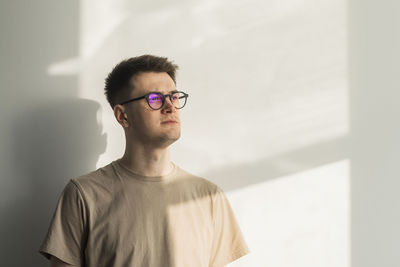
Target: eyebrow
165	92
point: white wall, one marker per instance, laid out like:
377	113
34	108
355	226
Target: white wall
282	114
375	130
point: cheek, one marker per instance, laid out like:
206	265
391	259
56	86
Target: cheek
149	119
178	113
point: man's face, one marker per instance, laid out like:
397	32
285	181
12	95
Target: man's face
146	125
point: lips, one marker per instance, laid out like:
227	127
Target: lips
169	121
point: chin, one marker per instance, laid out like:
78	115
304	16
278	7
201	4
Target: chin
173	135
168	140
174	139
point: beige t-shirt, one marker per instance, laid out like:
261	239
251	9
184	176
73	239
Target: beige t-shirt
114	217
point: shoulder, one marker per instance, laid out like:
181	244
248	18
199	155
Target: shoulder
199	182
96	183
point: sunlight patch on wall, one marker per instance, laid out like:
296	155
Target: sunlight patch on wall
300	220
276	71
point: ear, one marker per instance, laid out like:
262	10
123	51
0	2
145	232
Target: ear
121	115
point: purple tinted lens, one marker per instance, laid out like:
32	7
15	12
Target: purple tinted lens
156	100
179	99
175	97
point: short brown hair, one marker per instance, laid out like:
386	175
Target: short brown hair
117	81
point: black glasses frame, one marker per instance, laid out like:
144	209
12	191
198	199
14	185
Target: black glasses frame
146	96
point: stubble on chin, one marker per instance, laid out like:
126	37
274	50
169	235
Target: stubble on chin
171	138
165	139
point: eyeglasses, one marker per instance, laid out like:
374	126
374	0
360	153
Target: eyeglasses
156	100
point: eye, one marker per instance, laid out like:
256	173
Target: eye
155	97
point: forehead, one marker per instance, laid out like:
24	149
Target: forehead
146	82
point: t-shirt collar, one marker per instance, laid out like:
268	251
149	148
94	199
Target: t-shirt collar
131	173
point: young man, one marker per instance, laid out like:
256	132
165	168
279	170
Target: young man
142	210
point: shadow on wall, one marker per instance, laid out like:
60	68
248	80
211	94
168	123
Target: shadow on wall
53	143
241	175
44	141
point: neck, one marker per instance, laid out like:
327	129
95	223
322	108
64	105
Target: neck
147	161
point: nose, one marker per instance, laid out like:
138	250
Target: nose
168	104
169	99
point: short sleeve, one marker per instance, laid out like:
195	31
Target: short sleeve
228	242
67	233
